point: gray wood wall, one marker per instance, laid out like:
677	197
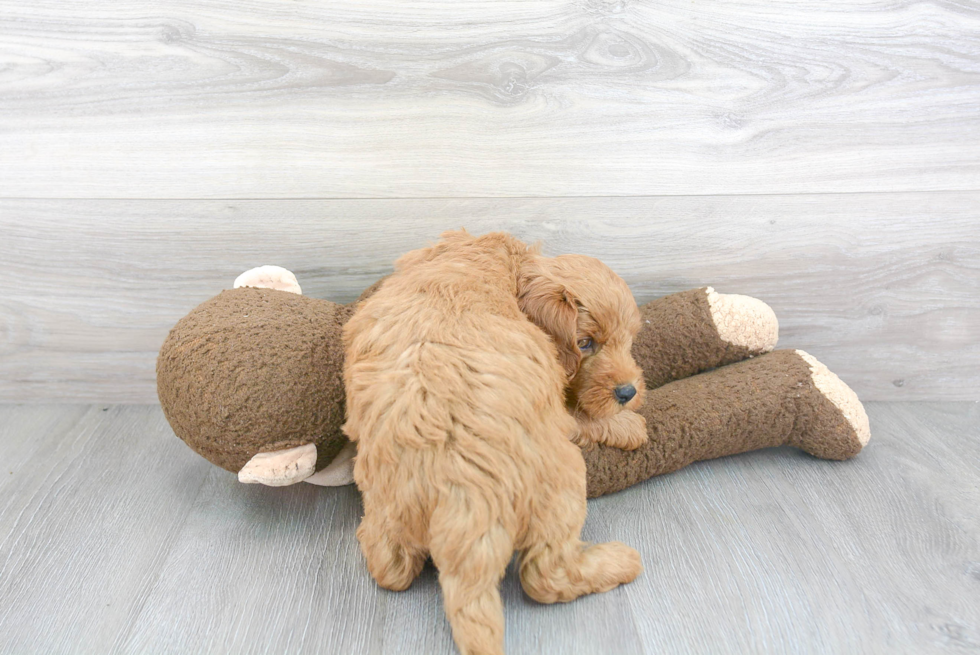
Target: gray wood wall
821	155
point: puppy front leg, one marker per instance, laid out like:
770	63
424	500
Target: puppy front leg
626	430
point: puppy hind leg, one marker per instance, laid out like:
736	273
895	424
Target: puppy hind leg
556	566
559	573
471	561
392	564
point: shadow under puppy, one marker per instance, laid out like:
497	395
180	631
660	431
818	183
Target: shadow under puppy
457	403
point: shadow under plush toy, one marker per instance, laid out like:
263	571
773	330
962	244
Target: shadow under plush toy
252	381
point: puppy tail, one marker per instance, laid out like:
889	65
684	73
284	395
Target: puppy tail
471	562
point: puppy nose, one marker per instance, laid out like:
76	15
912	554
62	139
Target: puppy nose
624	393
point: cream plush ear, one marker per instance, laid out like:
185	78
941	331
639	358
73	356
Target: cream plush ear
338	472
552	308
269	277
280	468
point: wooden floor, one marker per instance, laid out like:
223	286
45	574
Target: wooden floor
116	538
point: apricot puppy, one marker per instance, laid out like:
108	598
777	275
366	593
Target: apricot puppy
457	403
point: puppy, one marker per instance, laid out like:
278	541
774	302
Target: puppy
457	404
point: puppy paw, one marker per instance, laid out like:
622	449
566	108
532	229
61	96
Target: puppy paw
615	564
633	431
626	430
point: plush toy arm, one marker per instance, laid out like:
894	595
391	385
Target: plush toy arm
783	398
692	331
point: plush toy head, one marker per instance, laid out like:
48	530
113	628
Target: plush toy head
256	370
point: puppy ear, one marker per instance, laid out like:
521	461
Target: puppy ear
552	308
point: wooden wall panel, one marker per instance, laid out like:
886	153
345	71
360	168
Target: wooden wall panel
257	98
882	288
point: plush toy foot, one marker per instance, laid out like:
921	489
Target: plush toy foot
281	467
826	437
269	277
693	331
782	398
743	321
339	472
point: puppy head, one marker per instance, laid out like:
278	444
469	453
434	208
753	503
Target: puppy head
592	318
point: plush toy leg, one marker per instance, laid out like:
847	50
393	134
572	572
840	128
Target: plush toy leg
689	332
281	467
783	398
339	472
269	277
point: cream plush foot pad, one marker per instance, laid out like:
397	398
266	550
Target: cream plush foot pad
280	468
743	321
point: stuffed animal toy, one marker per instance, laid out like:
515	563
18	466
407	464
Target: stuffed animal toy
252	381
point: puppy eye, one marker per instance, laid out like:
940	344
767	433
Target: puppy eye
586	344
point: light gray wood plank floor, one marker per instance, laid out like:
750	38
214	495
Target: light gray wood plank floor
116	538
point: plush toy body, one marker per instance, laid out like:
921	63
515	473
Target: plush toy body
251	380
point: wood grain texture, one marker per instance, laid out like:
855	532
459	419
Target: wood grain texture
211	99
881	288
92	500
116	538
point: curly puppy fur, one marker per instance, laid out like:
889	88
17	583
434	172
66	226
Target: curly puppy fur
457	404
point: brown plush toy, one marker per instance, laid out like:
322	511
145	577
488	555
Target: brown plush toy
252	381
